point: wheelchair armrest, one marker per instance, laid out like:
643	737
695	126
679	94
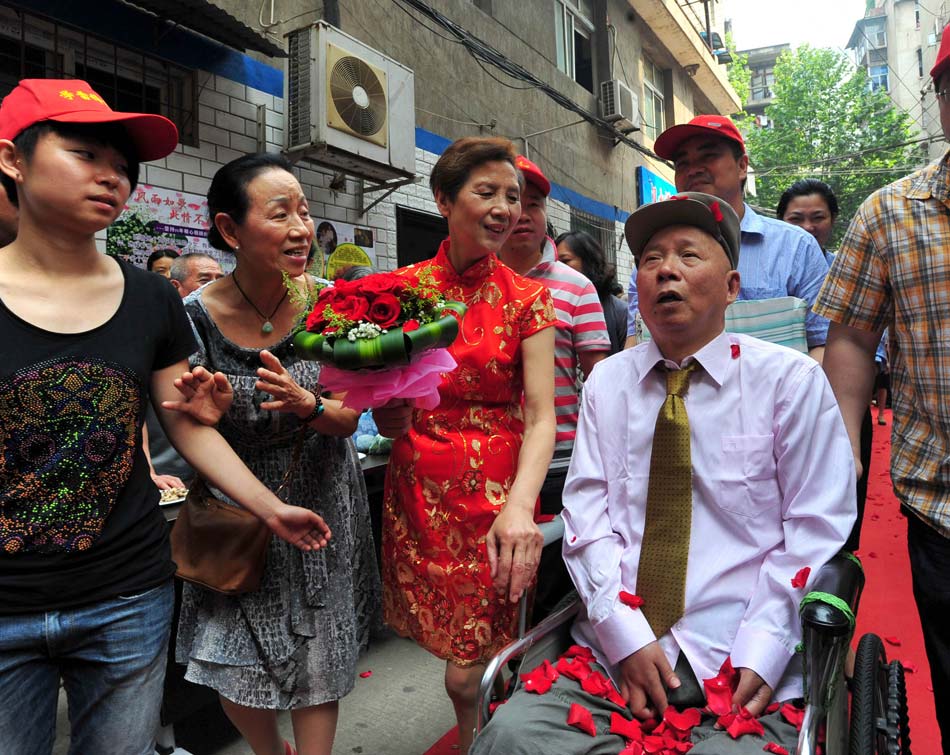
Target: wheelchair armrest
555	627
553	530
843	578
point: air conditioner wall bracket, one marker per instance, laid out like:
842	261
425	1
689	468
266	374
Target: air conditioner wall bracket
388	187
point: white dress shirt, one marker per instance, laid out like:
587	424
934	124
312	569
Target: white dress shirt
773	491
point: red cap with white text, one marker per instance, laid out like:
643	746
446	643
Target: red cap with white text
74	101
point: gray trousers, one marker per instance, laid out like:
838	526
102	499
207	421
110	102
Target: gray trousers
530	724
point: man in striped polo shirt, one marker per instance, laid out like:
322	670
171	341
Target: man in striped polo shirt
580	341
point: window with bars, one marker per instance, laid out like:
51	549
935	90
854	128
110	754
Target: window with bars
761	82
574	29
599	228
32	46
877	78
654	100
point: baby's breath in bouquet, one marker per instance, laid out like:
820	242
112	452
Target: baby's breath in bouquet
381	337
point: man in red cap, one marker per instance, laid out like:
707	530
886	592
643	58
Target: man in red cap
778	259
893	271
581	340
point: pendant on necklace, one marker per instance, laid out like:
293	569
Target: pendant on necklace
267	328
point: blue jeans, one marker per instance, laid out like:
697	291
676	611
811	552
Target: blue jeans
111	658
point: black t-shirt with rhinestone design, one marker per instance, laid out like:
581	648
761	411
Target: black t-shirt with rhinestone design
79	514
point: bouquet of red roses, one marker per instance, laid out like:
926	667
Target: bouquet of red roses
381	337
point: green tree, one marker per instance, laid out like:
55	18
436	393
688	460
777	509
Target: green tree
829	125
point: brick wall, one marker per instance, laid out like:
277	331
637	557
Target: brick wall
228	127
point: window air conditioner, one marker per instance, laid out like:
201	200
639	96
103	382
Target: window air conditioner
347	105
619	105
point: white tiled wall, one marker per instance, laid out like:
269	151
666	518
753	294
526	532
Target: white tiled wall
227	128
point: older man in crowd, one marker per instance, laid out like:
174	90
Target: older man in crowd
193	270
709	470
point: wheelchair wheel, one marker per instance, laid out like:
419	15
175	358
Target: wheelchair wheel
869	698
898	726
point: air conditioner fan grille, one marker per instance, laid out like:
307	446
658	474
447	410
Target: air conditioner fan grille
358	95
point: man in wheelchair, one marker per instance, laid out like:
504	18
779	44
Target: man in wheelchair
711	478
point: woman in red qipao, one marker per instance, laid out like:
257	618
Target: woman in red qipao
460	544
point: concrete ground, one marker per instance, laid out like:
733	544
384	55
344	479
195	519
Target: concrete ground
402	709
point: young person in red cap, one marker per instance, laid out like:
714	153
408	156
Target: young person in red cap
893	271
580	341
85	570
581	338
778	259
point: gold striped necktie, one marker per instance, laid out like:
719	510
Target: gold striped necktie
661	575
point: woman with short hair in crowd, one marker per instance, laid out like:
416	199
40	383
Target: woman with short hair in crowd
460	545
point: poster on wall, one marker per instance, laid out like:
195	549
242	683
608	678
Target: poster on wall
651	187
341	246
156	219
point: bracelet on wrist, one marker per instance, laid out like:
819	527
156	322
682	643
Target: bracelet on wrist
317	411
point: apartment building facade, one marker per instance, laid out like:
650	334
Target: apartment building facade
532	71
896	43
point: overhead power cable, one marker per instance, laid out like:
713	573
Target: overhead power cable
485	53
841	158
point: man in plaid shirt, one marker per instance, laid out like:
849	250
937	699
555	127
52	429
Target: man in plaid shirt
893	270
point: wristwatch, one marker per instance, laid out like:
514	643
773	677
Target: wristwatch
317	411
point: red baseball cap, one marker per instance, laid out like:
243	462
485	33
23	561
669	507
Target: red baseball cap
74	101
669	141
532	173
943	55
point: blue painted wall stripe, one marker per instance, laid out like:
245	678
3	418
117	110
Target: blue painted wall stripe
436	144
135	29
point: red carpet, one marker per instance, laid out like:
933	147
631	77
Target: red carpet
448	745
887	606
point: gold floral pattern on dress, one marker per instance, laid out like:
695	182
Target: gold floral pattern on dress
450	475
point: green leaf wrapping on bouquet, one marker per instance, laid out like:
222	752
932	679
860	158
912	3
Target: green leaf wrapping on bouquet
390	349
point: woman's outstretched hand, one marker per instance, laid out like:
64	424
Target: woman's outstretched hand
287	394
206	396
300	527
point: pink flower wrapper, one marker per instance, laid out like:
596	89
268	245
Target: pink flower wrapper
418	382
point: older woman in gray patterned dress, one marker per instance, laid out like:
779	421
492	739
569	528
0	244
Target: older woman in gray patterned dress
293	643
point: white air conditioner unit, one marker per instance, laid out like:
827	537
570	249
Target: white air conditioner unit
348	106
619	105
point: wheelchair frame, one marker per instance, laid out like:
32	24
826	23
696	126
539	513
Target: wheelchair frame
827	616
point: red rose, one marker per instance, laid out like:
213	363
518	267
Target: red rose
382	283
351	307
385	310
410	325
344	287
316	322
326	296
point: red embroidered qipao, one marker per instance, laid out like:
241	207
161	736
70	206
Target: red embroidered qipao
450	474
